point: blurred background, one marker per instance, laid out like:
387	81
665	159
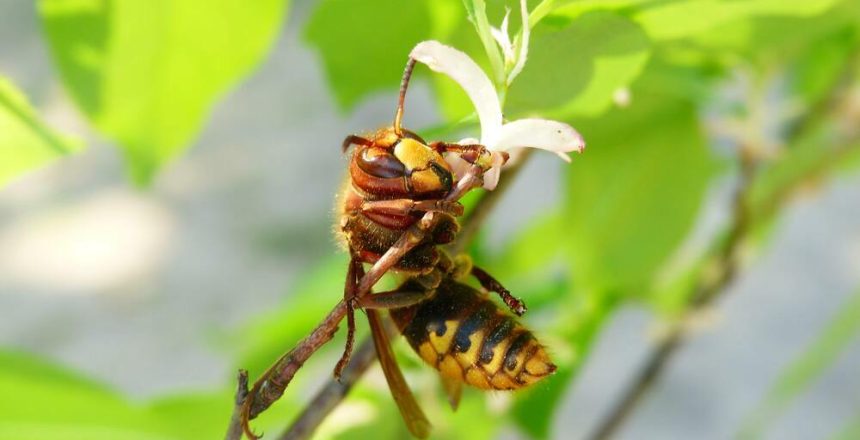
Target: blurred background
133	284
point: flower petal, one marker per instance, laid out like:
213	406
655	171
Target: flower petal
473	80
491	177
554	136
458	165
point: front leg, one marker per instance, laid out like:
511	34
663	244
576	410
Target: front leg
409	206
475	154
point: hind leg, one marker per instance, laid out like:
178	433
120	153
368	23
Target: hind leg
383	300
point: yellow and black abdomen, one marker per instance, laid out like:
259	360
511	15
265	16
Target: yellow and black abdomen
467	337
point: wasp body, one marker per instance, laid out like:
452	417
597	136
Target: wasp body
462	333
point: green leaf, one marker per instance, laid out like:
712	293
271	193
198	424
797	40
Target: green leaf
43	401
823	64
147	74
365	45
674	20
26	143
575	69
808	367
195	415
636	191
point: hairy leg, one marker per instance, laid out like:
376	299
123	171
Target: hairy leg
517	306
409	206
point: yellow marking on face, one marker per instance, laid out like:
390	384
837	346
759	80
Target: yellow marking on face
476	377
427	353
470	356
426	181
498	356
450	368
502	381
414	154
538	364
443	343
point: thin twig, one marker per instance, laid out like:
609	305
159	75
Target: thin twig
234	430
327	399
331	394
706	292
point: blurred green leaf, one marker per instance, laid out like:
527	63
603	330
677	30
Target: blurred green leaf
27	367
364	46
674	20
148	73
43	401
817	70
366	413
786	39
575	69
635	193
26	142
574	8
842	329
195	415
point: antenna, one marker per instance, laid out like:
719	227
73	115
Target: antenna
404	84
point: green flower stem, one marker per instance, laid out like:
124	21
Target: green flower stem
477	11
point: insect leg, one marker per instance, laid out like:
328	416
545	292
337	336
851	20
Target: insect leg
409	206
413	236
393	299
411	412
472	153
349	297
517	306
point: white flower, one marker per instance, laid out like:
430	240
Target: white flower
496	135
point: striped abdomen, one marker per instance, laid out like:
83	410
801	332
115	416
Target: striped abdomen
466	336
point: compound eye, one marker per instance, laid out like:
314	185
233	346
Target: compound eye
380	163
